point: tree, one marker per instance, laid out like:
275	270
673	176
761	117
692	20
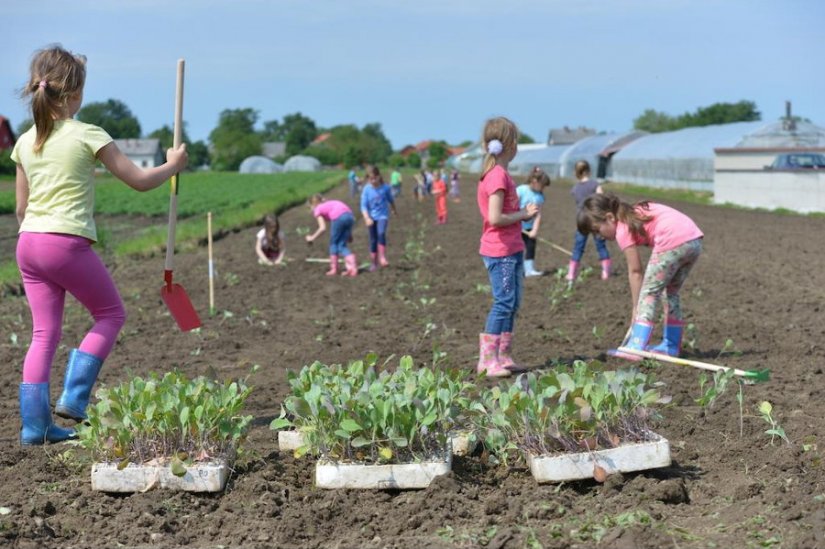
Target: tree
523	138
718	113
654	122
273	131
414	161
198	151
24	126
350	146
113	116
299	132
438	151
234	138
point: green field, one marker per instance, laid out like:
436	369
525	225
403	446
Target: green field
235	200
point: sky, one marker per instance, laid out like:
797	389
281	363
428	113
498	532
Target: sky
429	69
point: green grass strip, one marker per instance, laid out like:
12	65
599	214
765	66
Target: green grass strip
236	201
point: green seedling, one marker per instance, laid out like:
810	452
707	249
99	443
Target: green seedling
483	288
713	391
776	430
167	417
729	348
598	333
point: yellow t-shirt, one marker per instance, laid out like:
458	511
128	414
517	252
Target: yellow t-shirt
61	178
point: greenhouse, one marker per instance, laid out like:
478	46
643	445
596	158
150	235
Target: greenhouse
259	164
546	157
596	150
679	159
301	163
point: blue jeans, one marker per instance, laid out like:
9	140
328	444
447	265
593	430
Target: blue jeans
340	233
378	234
506	278
581	242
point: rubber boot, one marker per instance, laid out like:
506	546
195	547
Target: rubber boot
374	262
382	255
638	340
572	271
672	341
488	356
505	353
36	414
606	264
333	265
81	374
352	265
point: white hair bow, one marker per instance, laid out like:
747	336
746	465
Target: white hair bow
495	147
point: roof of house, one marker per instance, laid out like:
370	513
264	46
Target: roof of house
566	135
321	138
138	147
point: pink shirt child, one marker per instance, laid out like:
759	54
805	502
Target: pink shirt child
331	209
499	241
668	229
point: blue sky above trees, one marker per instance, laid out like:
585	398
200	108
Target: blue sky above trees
430	69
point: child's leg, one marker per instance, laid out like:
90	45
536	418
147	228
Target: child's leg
601	247
578	251
505	274
68	262
382	241
686	257
373	231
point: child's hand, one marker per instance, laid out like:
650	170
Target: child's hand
531	210
369	222
309	238
178	157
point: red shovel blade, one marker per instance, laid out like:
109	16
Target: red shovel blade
180	307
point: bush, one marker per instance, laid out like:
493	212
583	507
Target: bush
414	161
7	165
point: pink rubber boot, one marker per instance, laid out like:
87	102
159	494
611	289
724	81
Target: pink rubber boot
374	264
488	356
352	265
572	271
606	264
505	352
333	266
382	255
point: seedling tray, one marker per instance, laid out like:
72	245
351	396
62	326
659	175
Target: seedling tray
623	459
402	476
200	477
289	441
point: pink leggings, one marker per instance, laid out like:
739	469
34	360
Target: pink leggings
52	264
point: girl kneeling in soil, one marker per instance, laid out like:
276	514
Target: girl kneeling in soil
339	215
502	248
55	206
376	201
676	243
269	242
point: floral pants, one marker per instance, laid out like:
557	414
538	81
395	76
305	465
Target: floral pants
665	273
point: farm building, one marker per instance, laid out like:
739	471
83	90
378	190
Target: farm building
743	177
273	149
7	139
144	153
301	163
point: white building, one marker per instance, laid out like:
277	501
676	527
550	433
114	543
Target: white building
144	153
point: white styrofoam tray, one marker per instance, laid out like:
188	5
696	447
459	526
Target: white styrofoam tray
623	459
200	477
397	476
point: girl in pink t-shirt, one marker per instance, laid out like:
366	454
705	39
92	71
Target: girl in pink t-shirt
339	215
676	244
502	248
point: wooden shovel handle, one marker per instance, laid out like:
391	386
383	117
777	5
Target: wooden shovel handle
175	182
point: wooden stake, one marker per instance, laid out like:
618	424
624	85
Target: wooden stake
211	267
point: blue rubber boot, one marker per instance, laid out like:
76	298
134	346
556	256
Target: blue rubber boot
672	342
638	340
37	417
81	374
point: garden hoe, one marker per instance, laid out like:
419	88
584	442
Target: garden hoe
753	375
175	297
555	246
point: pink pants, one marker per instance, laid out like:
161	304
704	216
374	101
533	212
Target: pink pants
52	264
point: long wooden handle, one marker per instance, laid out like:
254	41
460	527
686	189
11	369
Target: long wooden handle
175	182
683	361
556	246
211	268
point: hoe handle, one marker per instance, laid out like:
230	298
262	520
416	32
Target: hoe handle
175	181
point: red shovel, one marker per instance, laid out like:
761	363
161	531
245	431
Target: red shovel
174	295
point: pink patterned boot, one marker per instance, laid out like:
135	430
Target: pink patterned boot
606	264
488	356
382	255
505	353
333	266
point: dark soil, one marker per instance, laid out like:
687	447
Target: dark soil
760	283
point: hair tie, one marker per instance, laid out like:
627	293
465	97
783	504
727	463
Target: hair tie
494	147
43	84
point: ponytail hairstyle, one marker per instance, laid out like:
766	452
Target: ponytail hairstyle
582	168
597	206
540	177
271	229
56	76
506	133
